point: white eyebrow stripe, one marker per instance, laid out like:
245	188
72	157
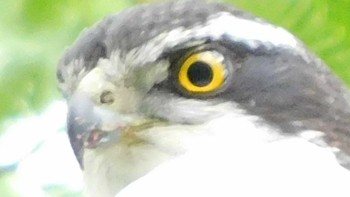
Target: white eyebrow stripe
249	32
253	33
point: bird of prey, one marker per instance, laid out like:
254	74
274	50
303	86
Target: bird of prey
196	98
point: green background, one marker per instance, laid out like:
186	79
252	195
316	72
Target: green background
34	34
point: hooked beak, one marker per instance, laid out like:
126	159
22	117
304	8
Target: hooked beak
87	125
91	126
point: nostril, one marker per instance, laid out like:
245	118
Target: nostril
106	97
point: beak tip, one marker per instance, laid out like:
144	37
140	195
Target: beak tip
79	121
76	142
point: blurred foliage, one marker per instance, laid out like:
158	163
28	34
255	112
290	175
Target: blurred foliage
34	33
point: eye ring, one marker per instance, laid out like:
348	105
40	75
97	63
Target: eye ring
202	72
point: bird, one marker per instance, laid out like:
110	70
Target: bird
200	98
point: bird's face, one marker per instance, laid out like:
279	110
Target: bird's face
143	91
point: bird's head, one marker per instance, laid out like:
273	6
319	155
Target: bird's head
155	74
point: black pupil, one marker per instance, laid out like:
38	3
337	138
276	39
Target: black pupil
200	74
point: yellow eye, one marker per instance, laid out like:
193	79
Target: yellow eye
202	72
